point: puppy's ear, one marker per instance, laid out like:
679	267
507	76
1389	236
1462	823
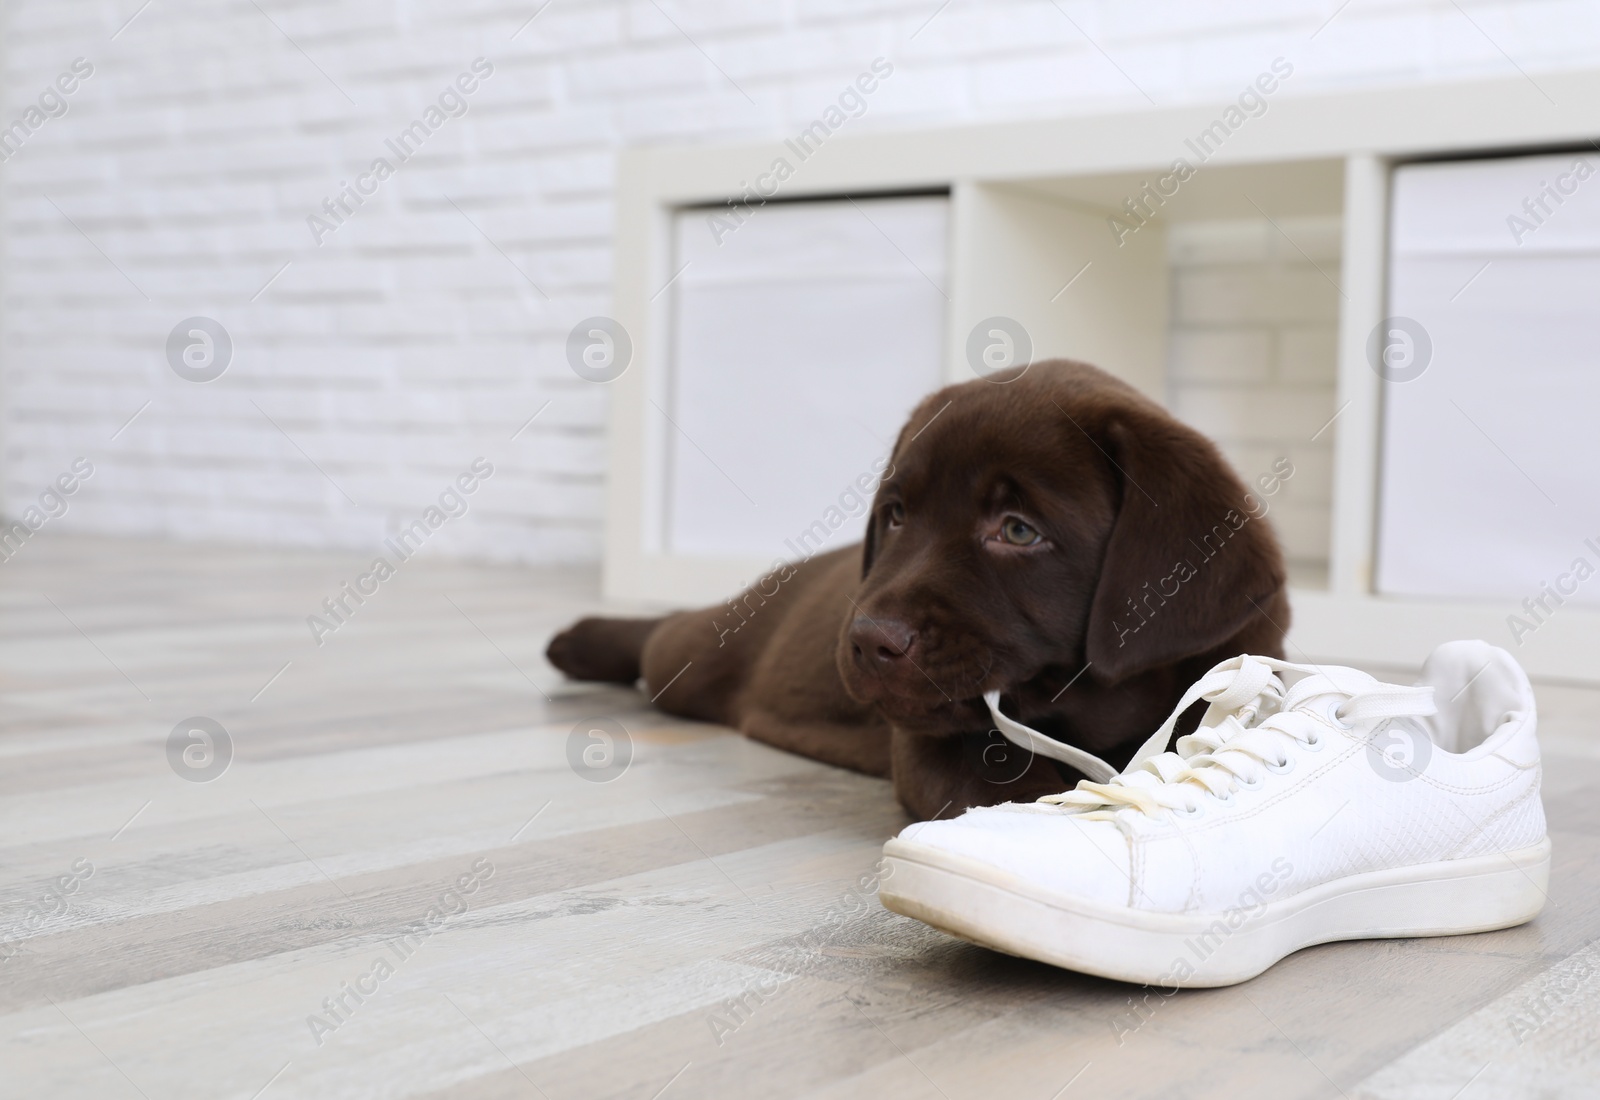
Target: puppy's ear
1190	555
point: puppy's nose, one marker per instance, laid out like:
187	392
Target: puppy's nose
881	642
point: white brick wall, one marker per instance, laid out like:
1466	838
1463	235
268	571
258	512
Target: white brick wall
407	343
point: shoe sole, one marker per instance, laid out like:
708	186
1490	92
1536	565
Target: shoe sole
995	909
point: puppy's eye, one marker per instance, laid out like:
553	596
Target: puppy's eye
896	513
1017	533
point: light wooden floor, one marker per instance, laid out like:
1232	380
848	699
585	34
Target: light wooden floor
701	926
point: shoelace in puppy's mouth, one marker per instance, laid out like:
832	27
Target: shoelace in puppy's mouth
1250	731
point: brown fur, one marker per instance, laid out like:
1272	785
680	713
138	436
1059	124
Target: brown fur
875	657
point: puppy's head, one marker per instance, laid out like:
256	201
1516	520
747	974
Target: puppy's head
1026	530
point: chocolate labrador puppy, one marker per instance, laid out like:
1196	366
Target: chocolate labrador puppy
1051	533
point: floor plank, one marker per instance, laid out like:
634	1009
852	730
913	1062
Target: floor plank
705	924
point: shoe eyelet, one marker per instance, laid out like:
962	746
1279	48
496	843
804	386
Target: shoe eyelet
1280	767
1335	720
1252	785
1314	743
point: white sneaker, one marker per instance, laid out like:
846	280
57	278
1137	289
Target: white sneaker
1313	804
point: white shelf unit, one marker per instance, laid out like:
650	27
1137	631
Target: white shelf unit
1029	207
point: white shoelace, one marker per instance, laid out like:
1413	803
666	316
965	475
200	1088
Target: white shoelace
1250	729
